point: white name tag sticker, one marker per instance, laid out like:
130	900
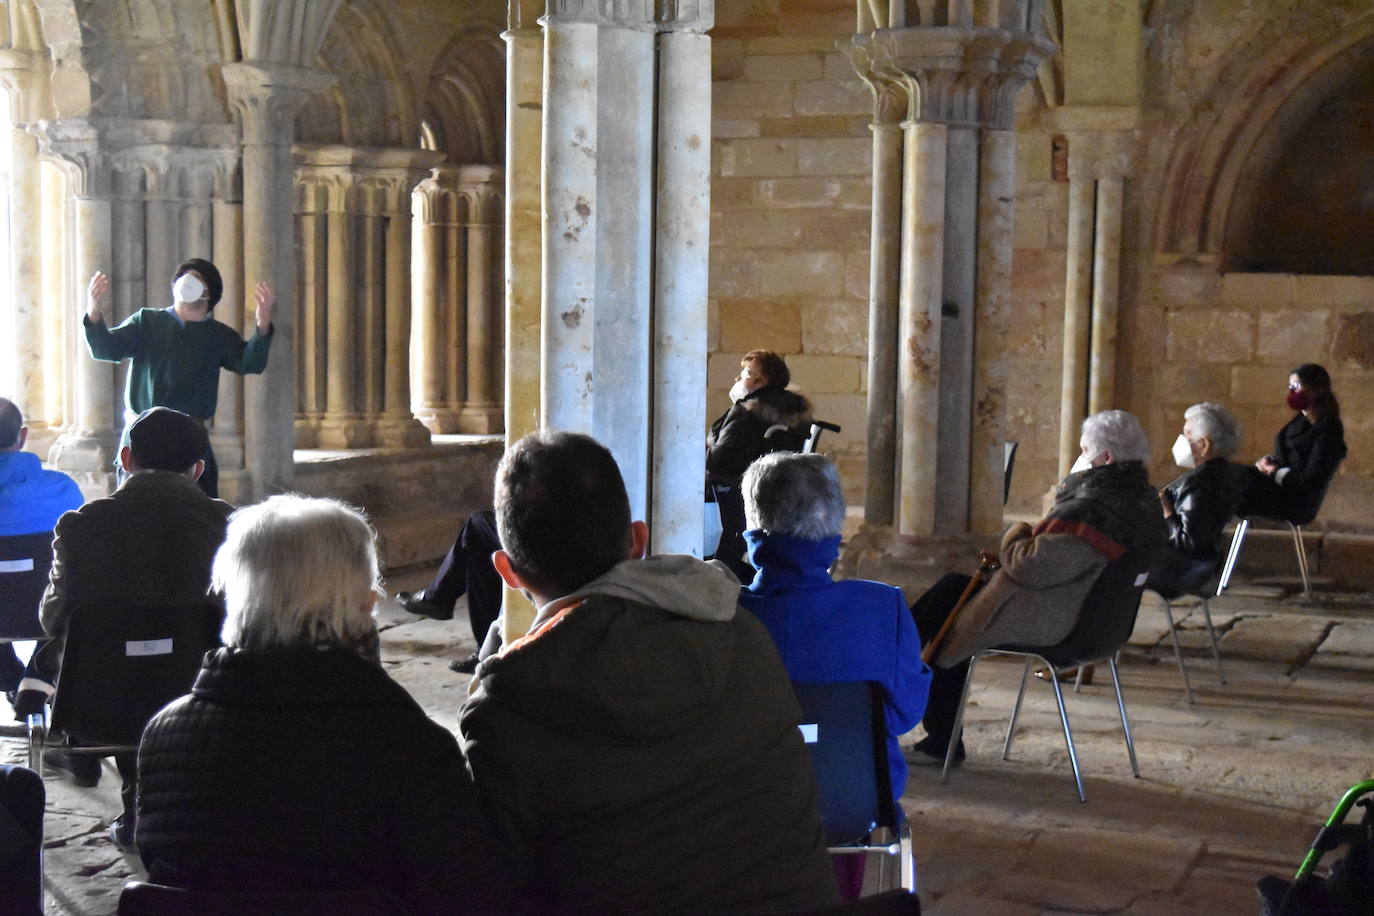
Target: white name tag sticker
810	733
14	566
1140	579
148	647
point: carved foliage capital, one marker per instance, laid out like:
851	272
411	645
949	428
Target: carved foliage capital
648	15
269	96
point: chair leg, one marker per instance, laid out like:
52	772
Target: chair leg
1016	710
1125	724
958	723
908	855
1232	555
1211	631
38	734
1068	734
1178	652
1302	560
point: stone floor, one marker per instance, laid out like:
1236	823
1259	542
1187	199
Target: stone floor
1232	787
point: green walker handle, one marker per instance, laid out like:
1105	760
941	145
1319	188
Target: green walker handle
1337	817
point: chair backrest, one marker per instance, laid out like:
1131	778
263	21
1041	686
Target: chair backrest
818	427
143	898
843	726
1108	614
25	560
21	840
124	662
1008	465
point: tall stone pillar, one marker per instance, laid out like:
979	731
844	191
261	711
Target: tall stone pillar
342	425
433	203
939	497
1099	160
310	346
268	94
397	427
480	188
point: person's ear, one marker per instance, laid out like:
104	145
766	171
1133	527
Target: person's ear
1110	458
196	470
126	459
1204	445
23	437
639	540
501	560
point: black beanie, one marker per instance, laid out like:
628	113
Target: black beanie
163	439
208	272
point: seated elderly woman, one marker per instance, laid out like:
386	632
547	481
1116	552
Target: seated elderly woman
1198	505
1103	509
296	762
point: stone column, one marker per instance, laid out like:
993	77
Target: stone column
372	300
310	343
1073	400
397	427
235	310
22	80
455	304
681	231
433	203
481	412
524	229
342	425
268	96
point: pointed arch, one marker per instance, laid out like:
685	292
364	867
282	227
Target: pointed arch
465	102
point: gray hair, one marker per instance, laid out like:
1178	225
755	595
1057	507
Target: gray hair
298	571
1215	422
793	494
1118	432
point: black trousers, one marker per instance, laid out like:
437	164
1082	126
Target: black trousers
1265	498
930	612
467	569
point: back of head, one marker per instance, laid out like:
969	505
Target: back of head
1215	422
795	495
297	571
771	365
561	510
11	421
162	439
1118	432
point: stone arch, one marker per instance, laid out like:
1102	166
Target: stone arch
464	105
1265	91
372	103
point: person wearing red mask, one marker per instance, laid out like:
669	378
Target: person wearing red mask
1290	483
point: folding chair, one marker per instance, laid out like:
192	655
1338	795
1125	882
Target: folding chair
1103	626
1201	593
844	728
1234	554
121	663
143	898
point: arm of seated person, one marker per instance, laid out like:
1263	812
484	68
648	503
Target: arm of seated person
910	686
1047	559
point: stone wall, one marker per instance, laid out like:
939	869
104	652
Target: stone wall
790	209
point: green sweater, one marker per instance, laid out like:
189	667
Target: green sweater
176	365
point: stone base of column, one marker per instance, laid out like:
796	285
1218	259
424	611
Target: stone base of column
88	457
306	433
481	418
235	487
344	432
41	441
401	432
914	564
438	419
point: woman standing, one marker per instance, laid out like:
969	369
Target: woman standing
1289	483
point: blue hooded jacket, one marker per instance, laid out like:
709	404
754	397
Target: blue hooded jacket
828	631
32	498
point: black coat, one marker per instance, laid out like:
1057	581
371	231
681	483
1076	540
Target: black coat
740	435
306	768
1308	456
1205	500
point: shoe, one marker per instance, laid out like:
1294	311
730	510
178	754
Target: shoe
1069	675
412	602
122	835
84	771
928	752
464	665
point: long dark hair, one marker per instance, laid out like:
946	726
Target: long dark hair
1317	381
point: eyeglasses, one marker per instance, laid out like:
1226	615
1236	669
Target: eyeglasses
1295	386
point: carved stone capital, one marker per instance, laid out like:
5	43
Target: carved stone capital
644	15
1098	154
373	181
24	76
268	97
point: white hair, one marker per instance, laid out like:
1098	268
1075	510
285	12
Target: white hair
1115	431
793	494
298	571
1215	422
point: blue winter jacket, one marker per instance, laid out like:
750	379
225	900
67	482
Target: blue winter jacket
829	631
32	498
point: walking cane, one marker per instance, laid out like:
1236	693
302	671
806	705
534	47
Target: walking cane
987	565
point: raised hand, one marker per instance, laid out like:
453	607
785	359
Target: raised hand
265	300
96	291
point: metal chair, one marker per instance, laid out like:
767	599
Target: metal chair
1103	626
121	663
844	728
1234	554
814	438
143	898
1202	595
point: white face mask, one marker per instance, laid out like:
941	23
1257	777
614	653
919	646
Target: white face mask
739	390
1183	453
1082	464
187	289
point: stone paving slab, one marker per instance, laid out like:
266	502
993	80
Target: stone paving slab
963	904
1156	862
1287	640
1349	645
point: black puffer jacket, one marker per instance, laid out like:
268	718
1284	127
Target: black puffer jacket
640	748
1205	500
311	768
740	435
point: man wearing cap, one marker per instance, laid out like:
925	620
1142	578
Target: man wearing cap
177	351
153	540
